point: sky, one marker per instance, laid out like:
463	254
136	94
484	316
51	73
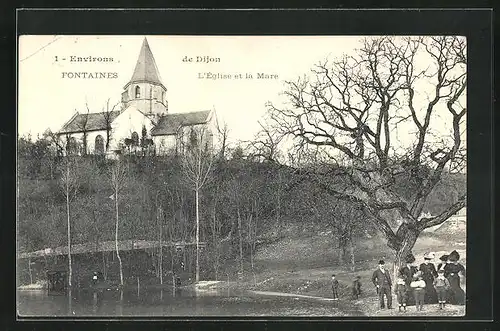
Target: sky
48	100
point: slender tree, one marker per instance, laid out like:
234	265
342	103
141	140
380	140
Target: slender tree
197	163
83	126
118	176
69	183
216	229
108	116
223	135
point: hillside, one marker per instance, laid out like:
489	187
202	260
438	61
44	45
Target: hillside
244	207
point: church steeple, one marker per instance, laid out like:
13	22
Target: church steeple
146	70
145	90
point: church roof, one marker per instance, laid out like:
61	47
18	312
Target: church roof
169	124
88	122
145	69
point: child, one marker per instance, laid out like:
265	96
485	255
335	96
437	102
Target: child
402	292
418	286
356	287
442	285
335	288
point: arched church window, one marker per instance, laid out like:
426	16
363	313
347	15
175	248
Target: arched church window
135	139
99	145
137	92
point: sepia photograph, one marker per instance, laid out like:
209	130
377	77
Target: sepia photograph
201	175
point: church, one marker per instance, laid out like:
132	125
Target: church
142	122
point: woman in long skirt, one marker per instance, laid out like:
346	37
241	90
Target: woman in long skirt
408	272
429	273
452	272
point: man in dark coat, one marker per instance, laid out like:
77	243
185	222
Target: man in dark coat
452	272
382	281
408	272
429	273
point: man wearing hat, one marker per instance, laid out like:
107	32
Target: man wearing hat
408	271
429	273
452	272
382	281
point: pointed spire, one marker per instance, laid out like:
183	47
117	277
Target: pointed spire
145	69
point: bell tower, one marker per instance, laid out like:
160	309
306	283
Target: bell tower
145	89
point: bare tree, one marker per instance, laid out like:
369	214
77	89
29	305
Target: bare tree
159	221
69	183
346	223
83	127
240	234
239	189
108	119
223	134
216	229
390	119
118	176
197	164
265	145
55	140
252	220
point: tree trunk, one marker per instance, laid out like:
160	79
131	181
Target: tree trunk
278	214
70	267
197	237
341	256
116	239
241	240
29	270
408	237
172	258
160	244
104	272
215	243
251	240
84	143
351	249
108	136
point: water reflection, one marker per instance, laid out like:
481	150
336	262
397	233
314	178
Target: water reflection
120	304
70	302
161	302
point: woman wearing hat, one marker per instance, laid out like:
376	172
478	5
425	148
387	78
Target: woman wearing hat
452	272
444	260
429	272
408	271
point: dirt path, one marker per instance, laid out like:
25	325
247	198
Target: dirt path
340	307
281	294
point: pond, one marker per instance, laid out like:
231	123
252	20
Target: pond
166	302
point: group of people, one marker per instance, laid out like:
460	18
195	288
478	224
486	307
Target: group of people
421	285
